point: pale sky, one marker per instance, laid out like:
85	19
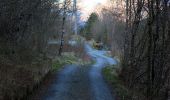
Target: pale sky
89	6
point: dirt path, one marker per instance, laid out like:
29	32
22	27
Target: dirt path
79	82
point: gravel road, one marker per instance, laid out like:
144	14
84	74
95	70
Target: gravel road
79	82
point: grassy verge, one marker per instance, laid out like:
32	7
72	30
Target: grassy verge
111	76
67	58
59	62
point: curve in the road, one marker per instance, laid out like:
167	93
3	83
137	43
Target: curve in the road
80	82
99	87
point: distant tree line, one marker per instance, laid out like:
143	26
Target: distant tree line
107	25
86	31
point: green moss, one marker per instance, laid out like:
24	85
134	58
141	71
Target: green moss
56	65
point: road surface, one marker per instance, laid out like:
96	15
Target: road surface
79	82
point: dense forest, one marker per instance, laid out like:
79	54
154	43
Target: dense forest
147	48
25	56
141	43
136	32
